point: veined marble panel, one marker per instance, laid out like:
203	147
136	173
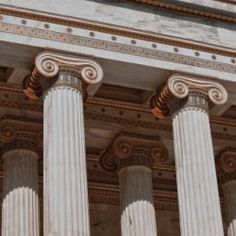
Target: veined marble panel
140	17
223	5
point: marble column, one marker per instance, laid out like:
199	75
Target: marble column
227	177
20	206
229	192
133	157
137	207
65	179
198	197
66	210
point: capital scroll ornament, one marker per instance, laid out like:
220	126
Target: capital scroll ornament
130	149
181	86
20	133
7	133
226	164
49	64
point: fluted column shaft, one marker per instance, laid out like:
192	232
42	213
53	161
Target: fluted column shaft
198	197
133	157
65	179
138	212
20	207
229	191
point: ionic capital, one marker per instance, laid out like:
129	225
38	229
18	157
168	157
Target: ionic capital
16	134
181	86
226	165
49	64
129	149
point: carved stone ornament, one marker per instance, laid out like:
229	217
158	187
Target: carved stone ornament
22	141
19	133
226	165
130	149
181	86
49	64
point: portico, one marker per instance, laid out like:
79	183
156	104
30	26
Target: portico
117	118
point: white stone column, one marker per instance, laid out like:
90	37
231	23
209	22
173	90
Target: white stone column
65	179
133	157
20	206
229	192
187	97
137	209
66	210
198	196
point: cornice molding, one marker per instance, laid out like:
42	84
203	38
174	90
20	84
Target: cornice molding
154	3
186	10
112	29
119	47
229	1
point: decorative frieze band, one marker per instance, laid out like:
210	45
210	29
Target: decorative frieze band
130	149
204	12
148	46
13	11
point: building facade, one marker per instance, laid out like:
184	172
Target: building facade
118	118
